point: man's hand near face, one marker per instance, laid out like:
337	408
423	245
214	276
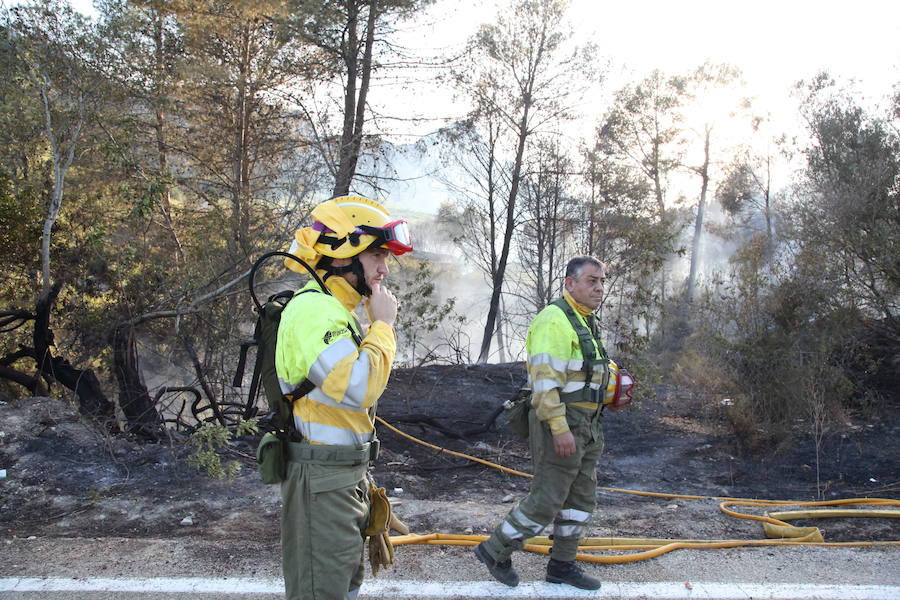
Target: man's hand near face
382	305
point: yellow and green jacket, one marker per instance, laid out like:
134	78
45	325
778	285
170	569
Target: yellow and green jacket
315	342
556	365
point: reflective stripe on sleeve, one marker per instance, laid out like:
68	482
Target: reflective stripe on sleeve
557	364
329	358
545	385
574	386
286	388
359	382
576	364
321	397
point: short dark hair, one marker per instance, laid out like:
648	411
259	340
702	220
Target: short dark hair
573	269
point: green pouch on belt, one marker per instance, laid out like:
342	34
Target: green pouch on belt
516	411
271	454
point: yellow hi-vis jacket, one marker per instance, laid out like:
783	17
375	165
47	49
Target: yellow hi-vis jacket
555	365
314	341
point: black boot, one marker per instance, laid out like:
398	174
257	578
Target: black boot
501	571
568	572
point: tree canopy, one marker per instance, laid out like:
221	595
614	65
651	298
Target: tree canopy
149	155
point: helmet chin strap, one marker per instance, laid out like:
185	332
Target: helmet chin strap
354	267
361	286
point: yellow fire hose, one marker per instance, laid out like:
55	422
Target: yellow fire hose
779	532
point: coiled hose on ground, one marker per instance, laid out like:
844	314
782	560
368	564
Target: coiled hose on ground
778	531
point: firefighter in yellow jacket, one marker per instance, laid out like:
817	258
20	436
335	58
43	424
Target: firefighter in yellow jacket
565	432
345	370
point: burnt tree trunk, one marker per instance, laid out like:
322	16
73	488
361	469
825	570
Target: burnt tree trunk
92	402
134	399
11	320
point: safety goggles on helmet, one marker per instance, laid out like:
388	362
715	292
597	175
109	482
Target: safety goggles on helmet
394	236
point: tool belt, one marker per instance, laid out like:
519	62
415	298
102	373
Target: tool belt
333	455
273	454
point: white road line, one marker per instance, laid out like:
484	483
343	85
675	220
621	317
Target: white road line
385	588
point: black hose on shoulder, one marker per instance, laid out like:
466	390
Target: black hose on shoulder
269	255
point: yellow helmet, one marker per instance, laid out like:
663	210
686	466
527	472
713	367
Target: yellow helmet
620	387
345	226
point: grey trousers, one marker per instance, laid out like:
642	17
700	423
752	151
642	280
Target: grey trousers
325	512
563	491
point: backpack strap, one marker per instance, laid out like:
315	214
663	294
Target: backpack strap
592	352
303	388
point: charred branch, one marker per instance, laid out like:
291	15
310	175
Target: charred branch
489	424
92	402
13	319
17	355
204	382
30	382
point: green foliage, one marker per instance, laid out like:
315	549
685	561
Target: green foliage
644	132
764	340
848	208
425	324
631	225
208	440
738	189
193	157
804	325
20	228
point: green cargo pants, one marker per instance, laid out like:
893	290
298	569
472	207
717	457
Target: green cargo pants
563	491
325	499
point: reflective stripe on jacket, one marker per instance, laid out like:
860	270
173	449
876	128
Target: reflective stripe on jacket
314	341
556	365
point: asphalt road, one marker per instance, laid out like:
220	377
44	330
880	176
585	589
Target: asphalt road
178	569
178	589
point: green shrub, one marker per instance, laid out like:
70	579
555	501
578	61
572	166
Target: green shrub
209	439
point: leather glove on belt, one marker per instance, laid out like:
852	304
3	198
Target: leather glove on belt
381	522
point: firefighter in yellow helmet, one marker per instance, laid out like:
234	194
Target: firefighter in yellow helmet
572	380
334	372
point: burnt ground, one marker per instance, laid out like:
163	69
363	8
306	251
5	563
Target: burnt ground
63	478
